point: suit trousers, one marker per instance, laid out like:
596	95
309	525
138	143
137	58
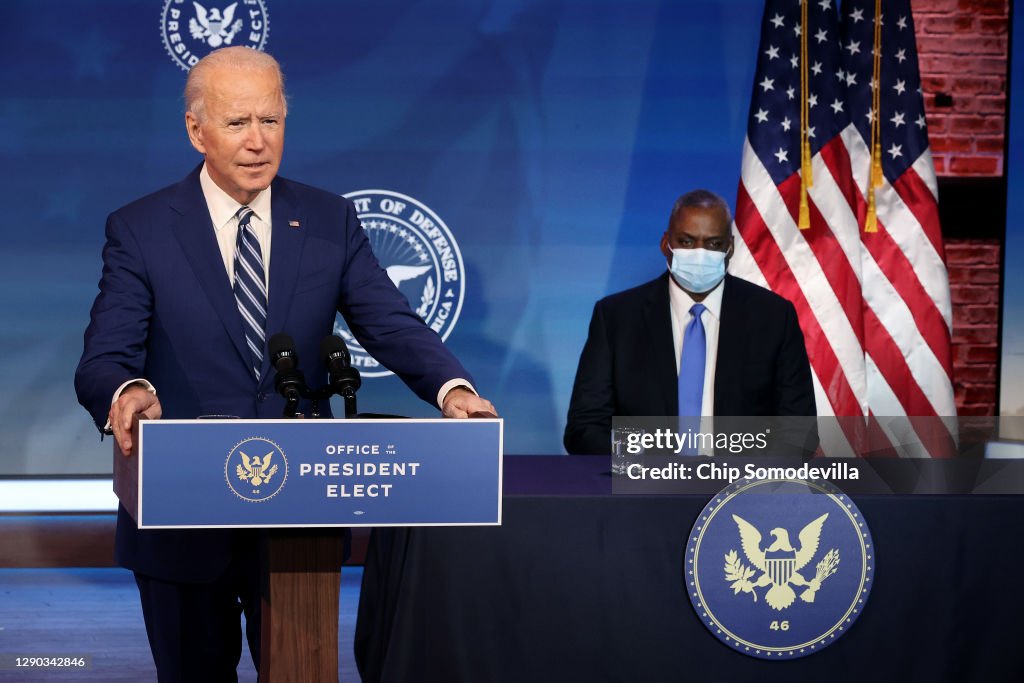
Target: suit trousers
194	629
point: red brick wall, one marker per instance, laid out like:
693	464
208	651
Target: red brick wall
963	46
974	290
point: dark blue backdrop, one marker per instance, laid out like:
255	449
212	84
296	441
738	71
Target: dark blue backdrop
552	137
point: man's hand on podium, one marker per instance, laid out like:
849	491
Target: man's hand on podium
461	402
135	403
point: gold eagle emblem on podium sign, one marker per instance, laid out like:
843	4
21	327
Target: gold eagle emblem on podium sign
779	563
256	471
258	478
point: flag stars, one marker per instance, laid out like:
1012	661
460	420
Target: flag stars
790	92
841	75
782	156
768	84
896	150
851	79
821	36
761	116
897	119
812	101
796	30
816	68
901	55
810	131
902	23
786	123
857	15
900	86
854	47
772	52
920	122
825	5
777	21
837	106
794	61
870	116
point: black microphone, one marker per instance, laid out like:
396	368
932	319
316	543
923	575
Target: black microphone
334	353
342	376
289	381
344	379
283	355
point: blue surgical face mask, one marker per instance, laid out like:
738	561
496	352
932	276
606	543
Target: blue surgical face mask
697	270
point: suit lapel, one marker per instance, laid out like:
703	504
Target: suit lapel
731	339
288	234
195	233
658	317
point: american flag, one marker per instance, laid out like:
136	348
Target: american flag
859	253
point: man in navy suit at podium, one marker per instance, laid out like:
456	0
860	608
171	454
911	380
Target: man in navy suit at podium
196	277
691	342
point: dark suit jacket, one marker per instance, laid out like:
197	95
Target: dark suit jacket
166	312
628	364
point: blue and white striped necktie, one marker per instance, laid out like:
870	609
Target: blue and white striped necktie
251	287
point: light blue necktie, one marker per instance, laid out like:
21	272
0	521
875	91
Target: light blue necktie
251	287
692	360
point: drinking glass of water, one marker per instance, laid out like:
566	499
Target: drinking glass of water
621	454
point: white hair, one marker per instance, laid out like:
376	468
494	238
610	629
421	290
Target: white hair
238	57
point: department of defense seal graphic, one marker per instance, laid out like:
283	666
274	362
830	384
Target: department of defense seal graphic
256	469
191	30
421	257
779	569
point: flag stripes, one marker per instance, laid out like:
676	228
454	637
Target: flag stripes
874	306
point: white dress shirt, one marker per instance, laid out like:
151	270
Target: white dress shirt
680	306
222	209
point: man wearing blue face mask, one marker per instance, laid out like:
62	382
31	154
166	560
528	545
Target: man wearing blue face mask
694	341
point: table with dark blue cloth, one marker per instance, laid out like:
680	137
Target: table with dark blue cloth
578	584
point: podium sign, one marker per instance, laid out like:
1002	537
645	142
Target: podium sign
314	473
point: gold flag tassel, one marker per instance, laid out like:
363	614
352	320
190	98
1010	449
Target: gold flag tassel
875	177
806	178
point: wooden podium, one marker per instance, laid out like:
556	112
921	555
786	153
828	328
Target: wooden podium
301	588
308	475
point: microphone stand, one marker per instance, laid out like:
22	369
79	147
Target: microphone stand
345	382
292	386
349	396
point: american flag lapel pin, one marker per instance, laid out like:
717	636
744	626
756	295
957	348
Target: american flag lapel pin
294	224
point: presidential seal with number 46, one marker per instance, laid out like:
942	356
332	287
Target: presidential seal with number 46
779	569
